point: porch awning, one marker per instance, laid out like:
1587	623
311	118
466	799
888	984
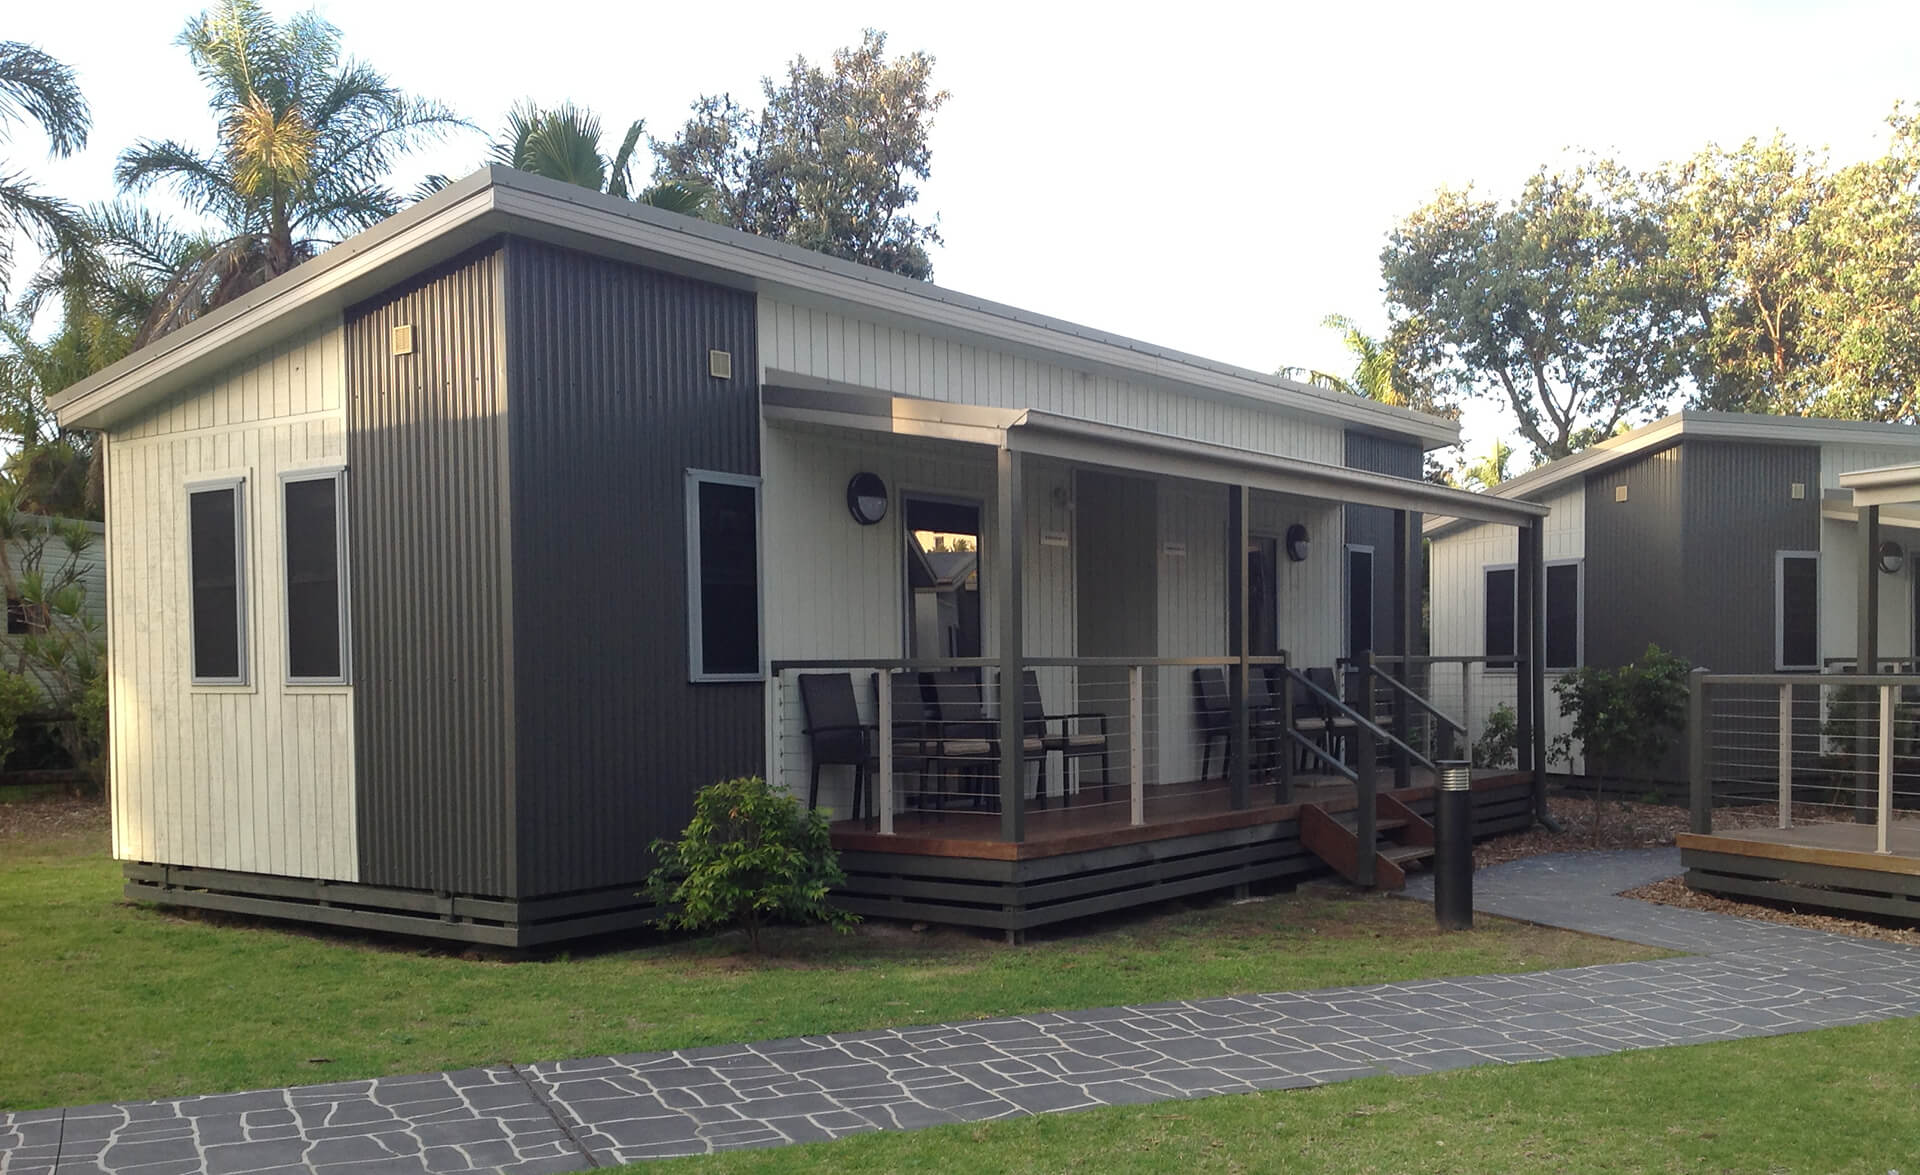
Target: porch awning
1888	485
804	399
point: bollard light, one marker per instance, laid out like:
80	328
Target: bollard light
1453	847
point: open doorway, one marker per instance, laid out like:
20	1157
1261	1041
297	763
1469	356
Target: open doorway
943	542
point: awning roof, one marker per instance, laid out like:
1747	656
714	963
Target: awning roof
1886	486
801	399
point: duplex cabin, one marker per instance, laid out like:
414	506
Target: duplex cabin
446	568
1724	537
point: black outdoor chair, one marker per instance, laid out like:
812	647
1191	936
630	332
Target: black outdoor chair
1069	742
835	735
1339	729
1213	715
959	732
911	724
1266	731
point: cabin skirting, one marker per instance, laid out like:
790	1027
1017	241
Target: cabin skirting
1815	880
488	921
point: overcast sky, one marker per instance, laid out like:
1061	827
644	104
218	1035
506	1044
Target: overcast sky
1208	177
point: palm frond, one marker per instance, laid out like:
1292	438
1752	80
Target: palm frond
35	86
620	170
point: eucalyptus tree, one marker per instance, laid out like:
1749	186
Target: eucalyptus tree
36	88
305	138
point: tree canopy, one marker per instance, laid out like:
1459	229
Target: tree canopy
37	88
828	162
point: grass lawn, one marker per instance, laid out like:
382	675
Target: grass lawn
107	1001
1840	1100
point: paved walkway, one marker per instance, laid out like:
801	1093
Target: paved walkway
1744	979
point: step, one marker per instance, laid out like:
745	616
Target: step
1380	827
1402	853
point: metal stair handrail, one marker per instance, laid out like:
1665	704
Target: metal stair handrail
1361	722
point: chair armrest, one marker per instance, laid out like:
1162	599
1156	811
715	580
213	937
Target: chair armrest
838	726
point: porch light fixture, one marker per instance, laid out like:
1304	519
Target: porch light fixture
867	498
1892	557
1297	542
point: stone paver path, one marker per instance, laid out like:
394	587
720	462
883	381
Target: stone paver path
1744	979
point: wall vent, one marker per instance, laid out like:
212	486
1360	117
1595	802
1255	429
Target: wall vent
1619	493
402	339
1799	491
720	364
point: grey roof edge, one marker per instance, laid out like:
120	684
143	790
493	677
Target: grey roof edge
1688	424
493	197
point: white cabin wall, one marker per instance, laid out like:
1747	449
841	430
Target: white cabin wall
1458	604
256	778
830	345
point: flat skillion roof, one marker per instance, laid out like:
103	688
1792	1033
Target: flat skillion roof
498	200
1536	484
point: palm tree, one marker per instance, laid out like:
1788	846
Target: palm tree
563	143
306	140
40	89
1373	374
1490	470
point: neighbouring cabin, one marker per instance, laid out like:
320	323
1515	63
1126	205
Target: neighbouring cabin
1725	538
449	566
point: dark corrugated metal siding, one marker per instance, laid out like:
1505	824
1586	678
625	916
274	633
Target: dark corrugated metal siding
1372	526
1634	566
1740	510
612	403
431	597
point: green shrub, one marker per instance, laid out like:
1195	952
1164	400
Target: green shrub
1626	718
18	698
1494	748
750	856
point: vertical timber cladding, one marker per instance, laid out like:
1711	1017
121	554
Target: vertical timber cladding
1372	526
1740	510
1635	565
612	403
430	595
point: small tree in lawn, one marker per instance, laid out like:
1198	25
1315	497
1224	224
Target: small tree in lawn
1627	718
750	856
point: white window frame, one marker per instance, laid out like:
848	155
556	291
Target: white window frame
338	475
1780	611
1373	601
1579	611
696	655
242	603
1486	654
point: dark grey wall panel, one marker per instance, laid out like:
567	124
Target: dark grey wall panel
429	586
1372	526
612	403
1740	510
1636	586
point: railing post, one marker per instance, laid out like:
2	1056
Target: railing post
1366	789
1136	745
1885	773
1287	751
883	739
1700	787
1786	754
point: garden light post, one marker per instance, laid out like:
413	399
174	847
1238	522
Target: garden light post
1453	848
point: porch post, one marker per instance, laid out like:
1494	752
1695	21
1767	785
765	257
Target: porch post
1405	624
1240	733
1536	679
1866	649
1010	531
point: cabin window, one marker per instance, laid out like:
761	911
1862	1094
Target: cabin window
1500	627
1796	594
216	528
723	577
1359	602
315	539
1565	616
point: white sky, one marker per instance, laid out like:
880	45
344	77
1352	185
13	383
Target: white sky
1211	177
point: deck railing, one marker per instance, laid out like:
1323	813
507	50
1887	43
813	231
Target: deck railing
1120	738
1788	749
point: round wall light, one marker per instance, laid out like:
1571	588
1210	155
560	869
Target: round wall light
867	498
1298	542
1892	557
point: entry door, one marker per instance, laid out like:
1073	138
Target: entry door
1116	585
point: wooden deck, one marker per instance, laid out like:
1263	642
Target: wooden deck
1089	858
1828	866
